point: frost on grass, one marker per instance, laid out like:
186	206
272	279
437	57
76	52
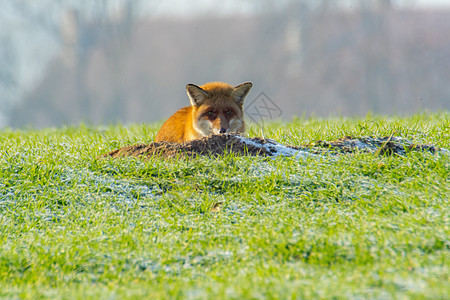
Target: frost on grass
216	145
127	192
77	189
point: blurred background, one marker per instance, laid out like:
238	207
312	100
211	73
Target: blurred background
64	62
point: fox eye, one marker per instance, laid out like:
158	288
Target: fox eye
211	114
229	112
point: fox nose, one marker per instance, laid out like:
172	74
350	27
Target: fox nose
222	130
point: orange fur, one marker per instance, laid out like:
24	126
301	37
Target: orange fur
216	107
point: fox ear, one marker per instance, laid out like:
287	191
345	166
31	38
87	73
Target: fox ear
196	94
241	91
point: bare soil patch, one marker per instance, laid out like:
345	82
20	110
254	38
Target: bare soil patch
216	145
388	145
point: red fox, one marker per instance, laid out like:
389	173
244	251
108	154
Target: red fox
216	107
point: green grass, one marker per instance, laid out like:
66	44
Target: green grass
361	226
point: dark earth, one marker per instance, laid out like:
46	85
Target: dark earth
216	145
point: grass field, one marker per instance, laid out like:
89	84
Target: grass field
357	226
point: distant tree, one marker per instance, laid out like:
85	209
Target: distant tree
77	27
109	29
8	80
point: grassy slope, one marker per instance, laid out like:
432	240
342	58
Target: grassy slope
361	226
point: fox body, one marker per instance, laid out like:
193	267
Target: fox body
216	107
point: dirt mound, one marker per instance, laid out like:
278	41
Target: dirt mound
216	145
387	145
213	145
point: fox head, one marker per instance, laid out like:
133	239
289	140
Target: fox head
217	107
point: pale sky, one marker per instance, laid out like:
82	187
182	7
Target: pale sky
187	8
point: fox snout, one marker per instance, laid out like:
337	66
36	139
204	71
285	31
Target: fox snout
220	125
